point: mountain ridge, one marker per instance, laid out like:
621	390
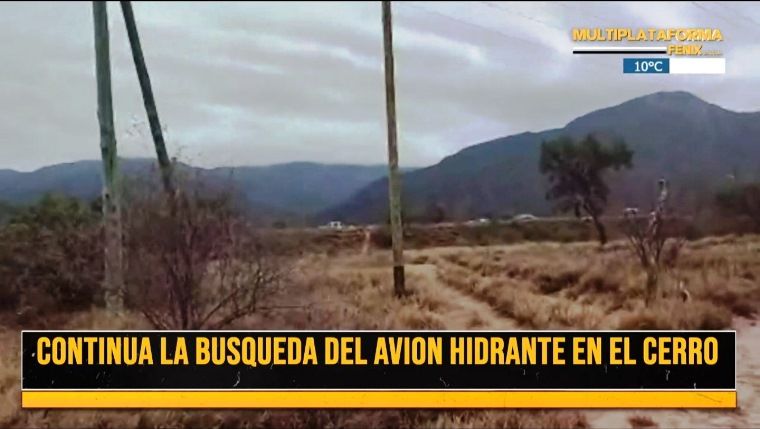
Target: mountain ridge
291	190
674	134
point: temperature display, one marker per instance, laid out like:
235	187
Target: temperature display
646	65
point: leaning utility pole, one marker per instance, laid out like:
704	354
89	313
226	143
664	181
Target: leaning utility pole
147	93
113	284
394	181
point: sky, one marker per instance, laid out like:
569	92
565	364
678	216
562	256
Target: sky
263	83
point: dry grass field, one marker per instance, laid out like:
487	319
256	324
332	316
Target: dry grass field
543	285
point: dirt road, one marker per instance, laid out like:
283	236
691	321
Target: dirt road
468	307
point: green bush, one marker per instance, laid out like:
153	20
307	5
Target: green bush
50	253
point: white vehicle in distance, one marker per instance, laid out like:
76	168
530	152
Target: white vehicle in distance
480	221
335	224
526	217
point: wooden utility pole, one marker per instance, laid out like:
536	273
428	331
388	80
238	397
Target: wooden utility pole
394	181
113	284
147	94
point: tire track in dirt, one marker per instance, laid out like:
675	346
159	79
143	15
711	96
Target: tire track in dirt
461	310
747	371
501	319
467	312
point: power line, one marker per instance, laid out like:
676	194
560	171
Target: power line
721	16
494	31
737	13
597	17
471	24
711	12
520	14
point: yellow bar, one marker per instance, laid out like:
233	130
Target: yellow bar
381	399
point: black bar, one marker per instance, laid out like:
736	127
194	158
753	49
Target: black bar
321	376
582	51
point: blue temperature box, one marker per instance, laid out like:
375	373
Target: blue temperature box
646	65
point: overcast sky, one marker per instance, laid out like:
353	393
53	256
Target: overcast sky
262	83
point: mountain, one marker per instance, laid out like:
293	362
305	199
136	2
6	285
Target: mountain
290	191
301	187
695	144
676	135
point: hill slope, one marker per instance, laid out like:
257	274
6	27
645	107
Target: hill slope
676	135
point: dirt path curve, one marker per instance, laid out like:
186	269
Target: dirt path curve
466	311
747	373
748	388
466	308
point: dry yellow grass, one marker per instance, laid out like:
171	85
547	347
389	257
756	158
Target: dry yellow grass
532	285
551	285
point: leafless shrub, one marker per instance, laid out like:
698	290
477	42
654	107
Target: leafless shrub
194	262
648	239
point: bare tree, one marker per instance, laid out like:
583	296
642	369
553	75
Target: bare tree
202	266
648	237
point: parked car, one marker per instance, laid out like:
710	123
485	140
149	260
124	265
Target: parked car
480	221
525	217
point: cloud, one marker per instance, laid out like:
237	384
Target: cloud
259	83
